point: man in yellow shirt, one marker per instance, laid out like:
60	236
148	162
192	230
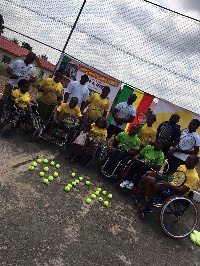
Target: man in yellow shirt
98	104
148	132
51	94
63	111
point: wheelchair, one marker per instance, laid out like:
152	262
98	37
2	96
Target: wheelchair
177	214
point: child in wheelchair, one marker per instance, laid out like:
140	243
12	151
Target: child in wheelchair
150	159
65	117
127	144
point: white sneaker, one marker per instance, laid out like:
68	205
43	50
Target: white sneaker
124	183
130	186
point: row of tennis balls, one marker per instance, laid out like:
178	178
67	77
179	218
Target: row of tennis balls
195	237
94	195
69	186
46	169
50	178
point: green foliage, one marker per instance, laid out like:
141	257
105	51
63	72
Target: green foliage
3	71
27	46
1	24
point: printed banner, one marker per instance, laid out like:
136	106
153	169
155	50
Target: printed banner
73	70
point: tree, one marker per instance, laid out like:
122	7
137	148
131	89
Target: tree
15	41
44	57
1	24
27	46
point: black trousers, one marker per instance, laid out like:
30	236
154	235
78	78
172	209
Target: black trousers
113	130
173	163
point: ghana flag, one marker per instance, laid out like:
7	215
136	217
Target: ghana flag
142	102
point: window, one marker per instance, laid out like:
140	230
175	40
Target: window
41	73
6	59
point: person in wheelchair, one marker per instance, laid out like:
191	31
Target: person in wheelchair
151	158
127	143
61	117
155	186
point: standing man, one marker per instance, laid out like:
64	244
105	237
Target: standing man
169	132
98	104
77	89
20	69
122	114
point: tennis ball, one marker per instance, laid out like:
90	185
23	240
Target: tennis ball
39	160
88	200
41	173
73	174
99	189
45	161
87	182
77	181
46	169
31	167
69	185
93	196
198	242
55	174
67	188
34	164
110	196
57	165
196	232
193	237
52	163
80	178
74	183
100	199
104	192
45	180
50	178
96	193
105	203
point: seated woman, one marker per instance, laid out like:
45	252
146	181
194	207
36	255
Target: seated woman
97	134
153	159
148	132
63	112
128	144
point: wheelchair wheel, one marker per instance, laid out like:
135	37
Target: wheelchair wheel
6	133
178	217
5	114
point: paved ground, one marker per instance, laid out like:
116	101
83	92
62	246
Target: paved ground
44	225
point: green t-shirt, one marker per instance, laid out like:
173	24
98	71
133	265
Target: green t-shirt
154	157
128	142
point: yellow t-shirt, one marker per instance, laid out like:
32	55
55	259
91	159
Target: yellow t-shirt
22	99
192	178
97	106
98	133
53	90
64	108
147	134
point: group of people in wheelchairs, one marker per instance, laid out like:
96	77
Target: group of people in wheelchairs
157	165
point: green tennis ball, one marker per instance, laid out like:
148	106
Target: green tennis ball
105	203
46	169
39	160
99	189
52	163
69	185
45	161
196	232
104	192
45	180
55	174
110	196
100	199
50	178
67	188
97	193
34	164
57	165
87	182
193	237
93	196
88	200
74	183
198	242
31	167
41	173
73	174
80	178
77	181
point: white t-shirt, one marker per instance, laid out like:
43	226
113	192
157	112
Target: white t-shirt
187	142
75	89
124	111
22	70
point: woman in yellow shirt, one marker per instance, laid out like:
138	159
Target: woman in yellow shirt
148	132
51	94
